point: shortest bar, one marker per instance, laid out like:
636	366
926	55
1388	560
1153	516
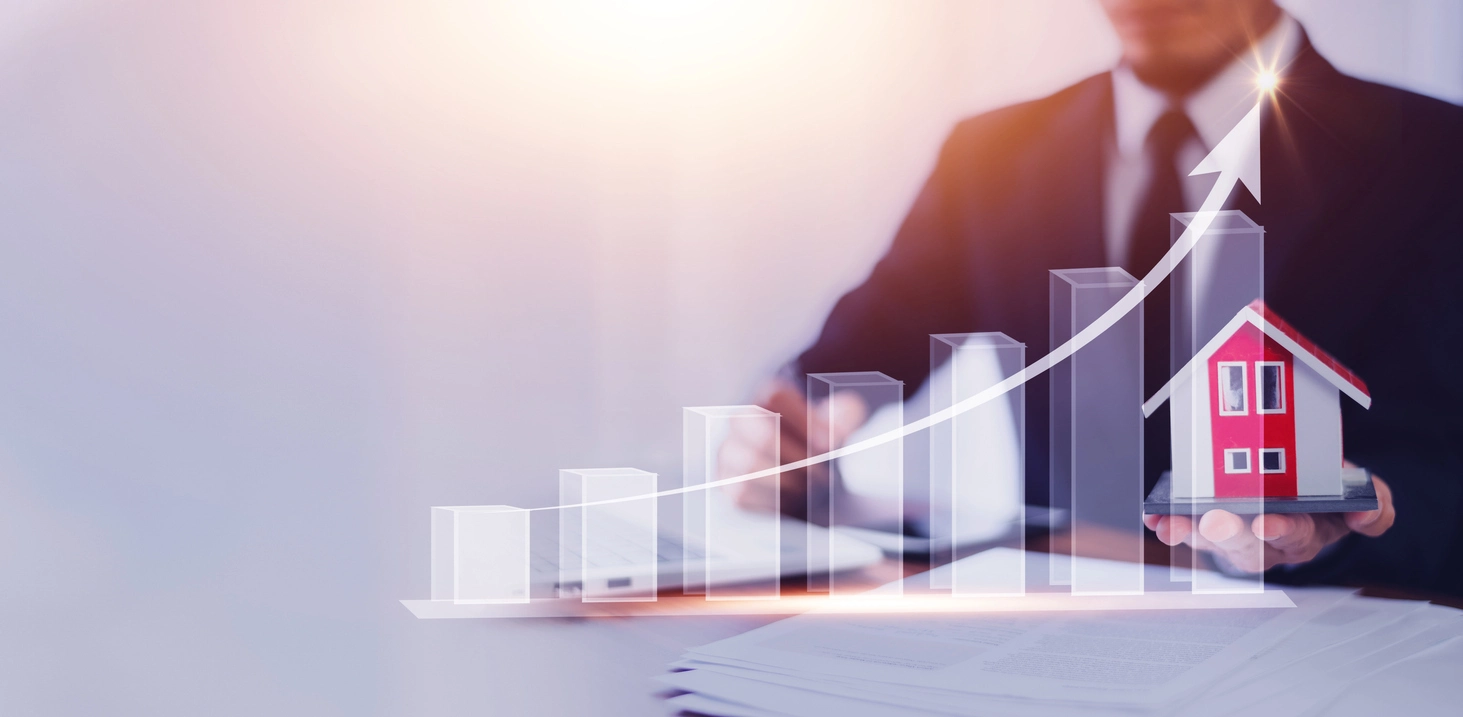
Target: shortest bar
607	551
480	554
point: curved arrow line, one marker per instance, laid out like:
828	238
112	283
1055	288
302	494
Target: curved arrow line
1232	169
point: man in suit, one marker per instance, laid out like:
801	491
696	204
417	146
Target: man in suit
1362	254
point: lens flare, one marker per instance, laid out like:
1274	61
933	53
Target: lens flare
1267	80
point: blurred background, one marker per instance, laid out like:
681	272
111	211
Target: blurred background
277	276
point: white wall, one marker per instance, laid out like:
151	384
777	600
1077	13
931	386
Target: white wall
278	276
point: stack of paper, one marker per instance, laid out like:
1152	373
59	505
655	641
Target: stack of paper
1200	662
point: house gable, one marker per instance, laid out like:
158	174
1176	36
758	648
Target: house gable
1282	333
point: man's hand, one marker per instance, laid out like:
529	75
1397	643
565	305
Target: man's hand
1274	539
744	451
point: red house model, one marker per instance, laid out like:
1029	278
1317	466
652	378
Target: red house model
1256	413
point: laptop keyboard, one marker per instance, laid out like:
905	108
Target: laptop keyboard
613	548
618	544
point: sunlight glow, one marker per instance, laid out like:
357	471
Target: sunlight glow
661	42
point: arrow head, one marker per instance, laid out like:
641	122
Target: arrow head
1238	154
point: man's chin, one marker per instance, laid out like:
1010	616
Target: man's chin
1174	75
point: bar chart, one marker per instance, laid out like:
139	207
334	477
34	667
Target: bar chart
611	545
612	548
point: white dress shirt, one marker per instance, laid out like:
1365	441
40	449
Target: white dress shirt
1214	109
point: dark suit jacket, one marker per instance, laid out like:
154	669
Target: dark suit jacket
1363	211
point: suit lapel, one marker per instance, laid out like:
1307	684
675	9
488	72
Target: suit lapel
1305	163
1071	179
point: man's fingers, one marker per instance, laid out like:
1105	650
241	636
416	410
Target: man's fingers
792	448
1267	540
1173	529
1170	529
1220	526
1270	527
1177	529
751	446
844	411
1232	537
1364	522
788	401
750	434
755	495
1286	533
741	459
1372	523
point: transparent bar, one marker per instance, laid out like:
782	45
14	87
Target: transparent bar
1223	274
697	458
977	460
727	546
480	554
614	543
1097	430
864	488
570	538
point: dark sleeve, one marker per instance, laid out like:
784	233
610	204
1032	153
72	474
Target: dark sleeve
915	290
1413	435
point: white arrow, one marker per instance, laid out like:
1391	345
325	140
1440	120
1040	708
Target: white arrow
1236	158
1239	151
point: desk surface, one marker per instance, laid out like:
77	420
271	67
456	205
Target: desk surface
606	665
1156	553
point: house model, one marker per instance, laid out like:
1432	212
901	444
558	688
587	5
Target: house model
1257	414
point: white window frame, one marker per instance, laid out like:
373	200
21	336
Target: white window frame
1280	451
1260	387
1229	464
1244	375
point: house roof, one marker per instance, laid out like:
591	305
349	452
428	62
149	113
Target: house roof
1261	316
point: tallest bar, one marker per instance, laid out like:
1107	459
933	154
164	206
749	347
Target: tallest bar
1223	274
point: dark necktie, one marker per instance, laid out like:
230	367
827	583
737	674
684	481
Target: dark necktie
1150	241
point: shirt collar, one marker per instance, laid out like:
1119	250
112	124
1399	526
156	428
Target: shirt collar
1214	108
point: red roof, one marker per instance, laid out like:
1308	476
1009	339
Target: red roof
1274	319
